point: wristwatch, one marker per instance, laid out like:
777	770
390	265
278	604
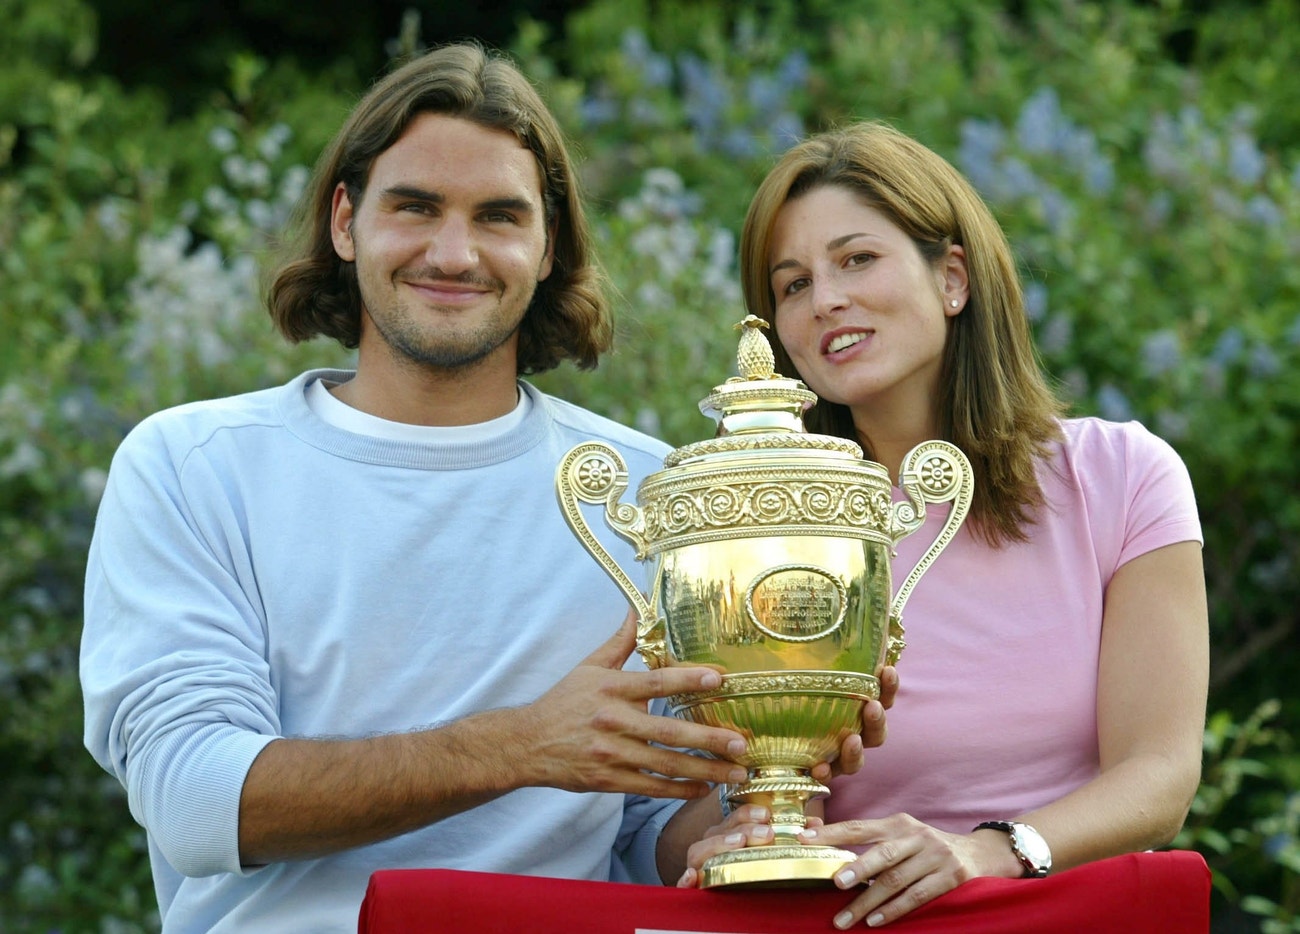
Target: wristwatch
1026	843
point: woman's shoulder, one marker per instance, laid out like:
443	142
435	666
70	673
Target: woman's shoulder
1089	439
1129	480
1120	462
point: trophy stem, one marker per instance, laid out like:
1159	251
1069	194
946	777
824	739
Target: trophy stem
785	792
787	862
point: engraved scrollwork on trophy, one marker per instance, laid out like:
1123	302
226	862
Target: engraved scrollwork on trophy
678	513
777	851
723	505
820	501
787	684
765	503
794	442
772	503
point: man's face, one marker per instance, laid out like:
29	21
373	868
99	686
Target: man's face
449	242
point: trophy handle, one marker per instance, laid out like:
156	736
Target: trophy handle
932	472
595	473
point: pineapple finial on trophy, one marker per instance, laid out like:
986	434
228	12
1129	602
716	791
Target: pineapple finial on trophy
759	399
754	358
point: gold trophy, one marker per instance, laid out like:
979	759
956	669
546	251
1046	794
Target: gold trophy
770	550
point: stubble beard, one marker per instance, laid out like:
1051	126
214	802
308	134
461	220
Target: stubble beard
447	350
417	347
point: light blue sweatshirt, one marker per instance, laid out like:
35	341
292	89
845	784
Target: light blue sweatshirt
258	573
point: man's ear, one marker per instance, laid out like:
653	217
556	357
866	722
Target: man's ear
548	259
956	280
341	213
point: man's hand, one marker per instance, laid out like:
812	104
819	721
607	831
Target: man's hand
593	730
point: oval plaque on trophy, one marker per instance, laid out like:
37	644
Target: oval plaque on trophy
796	603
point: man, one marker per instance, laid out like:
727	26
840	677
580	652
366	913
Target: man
328	625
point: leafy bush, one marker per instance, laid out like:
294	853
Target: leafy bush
1155	213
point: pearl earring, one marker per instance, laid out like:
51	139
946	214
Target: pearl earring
954	303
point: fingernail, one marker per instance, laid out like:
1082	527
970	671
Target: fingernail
808	833
737	776
875	920
711	679
736	747
685	881
733	839
843	920
757	812
763	832
845	878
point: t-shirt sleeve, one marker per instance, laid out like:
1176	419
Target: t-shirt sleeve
634	856
635	848
177	698
1159	499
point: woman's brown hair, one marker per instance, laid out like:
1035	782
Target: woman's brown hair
315	293
995	404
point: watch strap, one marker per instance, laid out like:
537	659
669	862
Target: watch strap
1034	869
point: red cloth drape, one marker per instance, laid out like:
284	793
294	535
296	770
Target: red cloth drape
1165	893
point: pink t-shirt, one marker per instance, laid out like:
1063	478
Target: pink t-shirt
996	712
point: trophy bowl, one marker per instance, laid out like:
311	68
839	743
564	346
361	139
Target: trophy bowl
769	551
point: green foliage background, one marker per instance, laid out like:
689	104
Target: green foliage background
1143	156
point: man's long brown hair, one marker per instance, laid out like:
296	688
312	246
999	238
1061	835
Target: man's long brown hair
995	403
315	293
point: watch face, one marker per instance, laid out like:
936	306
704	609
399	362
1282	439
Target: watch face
1033	846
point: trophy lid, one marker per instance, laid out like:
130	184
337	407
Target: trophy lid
760	409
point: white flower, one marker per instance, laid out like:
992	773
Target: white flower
92	481
222	139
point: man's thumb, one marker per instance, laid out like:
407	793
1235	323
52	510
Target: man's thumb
616	649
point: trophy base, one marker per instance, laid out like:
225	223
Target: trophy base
778	866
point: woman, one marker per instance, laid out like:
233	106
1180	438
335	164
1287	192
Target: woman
1055	677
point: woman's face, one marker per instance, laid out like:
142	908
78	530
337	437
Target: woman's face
862	314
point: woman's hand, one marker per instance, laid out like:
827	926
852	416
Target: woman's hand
908	863
747	825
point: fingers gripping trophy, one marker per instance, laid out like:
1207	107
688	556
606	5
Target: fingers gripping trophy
769	550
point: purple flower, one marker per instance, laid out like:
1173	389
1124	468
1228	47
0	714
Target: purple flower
1161	352
1040	122
1228	348
1245	161
1263	211
1293	333
979	150
794	70
598	111
1035	301
1264	363
786	129
1056	335
1113	404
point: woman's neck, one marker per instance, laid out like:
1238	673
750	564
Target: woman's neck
889	439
